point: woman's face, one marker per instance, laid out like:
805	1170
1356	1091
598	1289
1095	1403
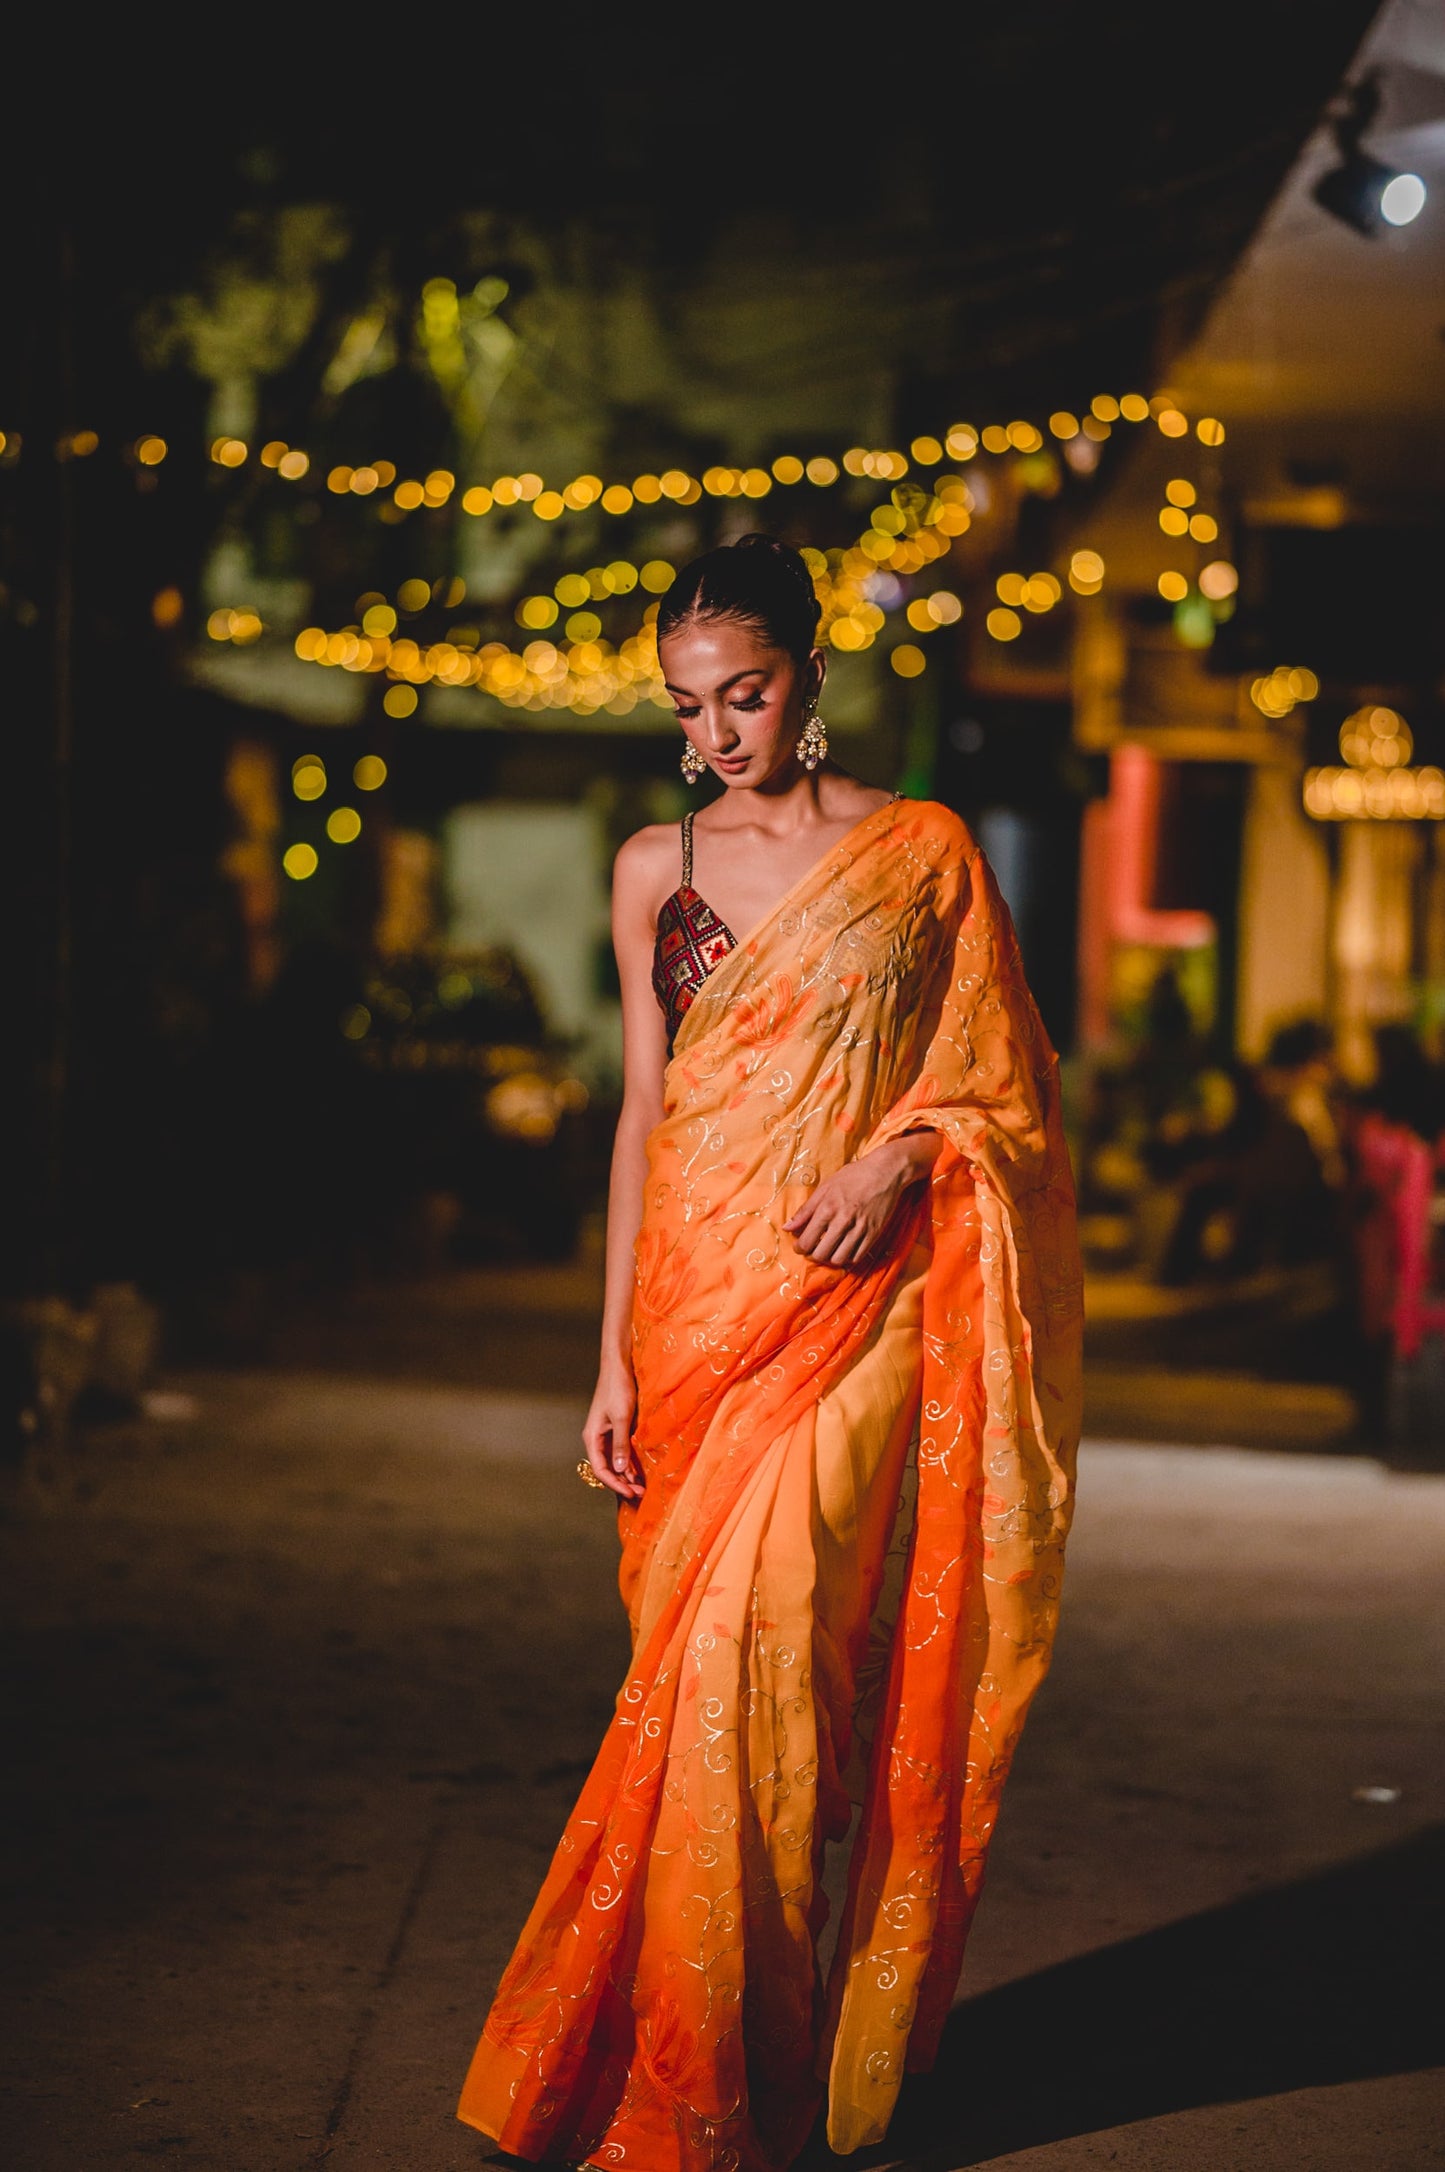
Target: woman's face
739	701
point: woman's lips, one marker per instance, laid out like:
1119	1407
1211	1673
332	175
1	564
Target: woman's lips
731	761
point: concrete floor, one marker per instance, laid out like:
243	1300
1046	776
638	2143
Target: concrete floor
301	1687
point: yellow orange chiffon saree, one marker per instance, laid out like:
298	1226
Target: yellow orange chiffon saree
814	1603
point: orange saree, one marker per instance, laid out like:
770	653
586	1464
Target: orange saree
820	1612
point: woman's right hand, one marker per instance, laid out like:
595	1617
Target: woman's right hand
607	1435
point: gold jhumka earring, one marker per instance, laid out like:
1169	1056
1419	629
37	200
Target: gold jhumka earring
692	764
813	742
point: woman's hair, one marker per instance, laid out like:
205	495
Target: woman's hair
757	581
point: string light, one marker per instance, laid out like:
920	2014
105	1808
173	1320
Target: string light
548	501
1376	783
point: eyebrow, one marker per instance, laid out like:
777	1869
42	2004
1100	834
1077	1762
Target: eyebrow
754	671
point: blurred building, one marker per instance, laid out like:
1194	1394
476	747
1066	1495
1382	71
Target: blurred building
1265	683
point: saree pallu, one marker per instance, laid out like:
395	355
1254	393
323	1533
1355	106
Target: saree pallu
664	2009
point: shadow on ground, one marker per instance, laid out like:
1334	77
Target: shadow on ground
1333	1979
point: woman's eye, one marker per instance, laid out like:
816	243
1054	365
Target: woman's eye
685	715
753	701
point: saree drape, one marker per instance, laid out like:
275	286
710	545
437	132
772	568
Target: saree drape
664	2008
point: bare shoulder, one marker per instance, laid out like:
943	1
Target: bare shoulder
648	866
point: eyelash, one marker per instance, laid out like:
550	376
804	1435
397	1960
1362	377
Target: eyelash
753	702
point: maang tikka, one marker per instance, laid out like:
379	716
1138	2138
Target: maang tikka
813	742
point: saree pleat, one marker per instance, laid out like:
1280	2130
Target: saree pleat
663	2008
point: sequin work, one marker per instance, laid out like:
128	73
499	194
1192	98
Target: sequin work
661	2012
691	941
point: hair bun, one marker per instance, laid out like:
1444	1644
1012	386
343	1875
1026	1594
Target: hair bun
757	580
782	554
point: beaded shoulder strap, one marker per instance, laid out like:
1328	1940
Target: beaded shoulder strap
687	848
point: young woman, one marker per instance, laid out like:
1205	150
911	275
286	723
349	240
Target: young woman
838	1405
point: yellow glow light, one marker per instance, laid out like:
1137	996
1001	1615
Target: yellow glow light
908	661
151	451
385	473
657	576
1203	527
308	777
847	632
621	577
1173	520
1303	684
927	451
582	626
717	482
953	520
538	611
378	619
1004	625
369	775
293	465
673	483
414	596
617	499
1024	437
1180	491
1041	592
339	481
1134	407
1096	430
439	486
364	481
944	607
1063	424
408	496
228	452
787	469
1217	580
756	482
1173	587
310	644
476	501
549	505
920	618
822	472
995	439
1209	430
218	625
571	590
646	489
343	825
506	490
397	701
1009	588
961	442
855	460
1086	570
1105	407
1172	423
167	606
300	861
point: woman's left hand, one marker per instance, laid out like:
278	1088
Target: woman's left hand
844	1221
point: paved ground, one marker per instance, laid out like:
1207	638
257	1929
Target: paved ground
301	1687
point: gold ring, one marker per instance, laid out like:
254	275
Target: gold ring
588	1476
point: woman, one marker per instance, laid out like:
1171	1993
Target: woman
841	1222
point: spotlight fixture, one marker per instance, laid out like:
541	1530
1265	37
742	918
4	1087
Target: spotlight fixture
1362	191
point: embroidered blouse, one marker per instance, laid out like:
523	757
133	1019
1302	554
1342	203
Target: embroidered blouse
691	941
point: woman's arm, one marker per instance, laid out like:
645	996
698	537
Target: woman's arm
608	1431
844	1220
